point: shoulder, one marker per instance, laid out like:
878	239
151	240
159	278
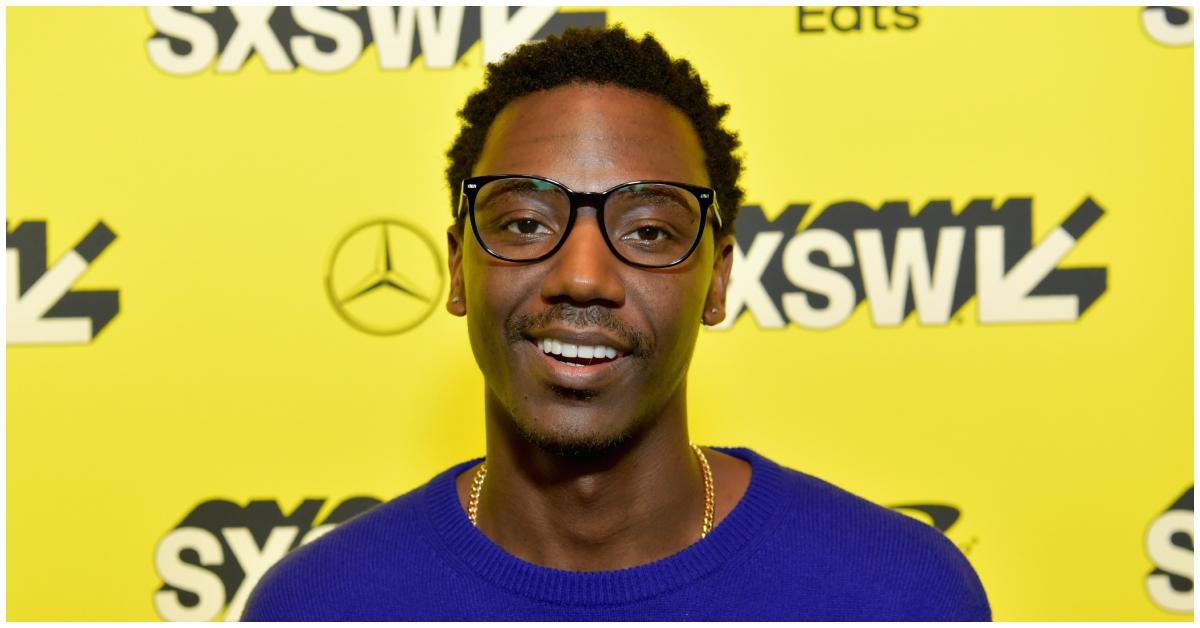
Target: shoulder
909	569
331	577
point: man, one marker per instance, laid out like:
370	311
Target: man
595	194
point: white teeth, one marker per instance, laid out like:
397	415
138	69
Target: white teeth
568	350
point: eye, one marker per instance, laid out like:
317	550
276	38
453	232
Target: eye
525	226
648	234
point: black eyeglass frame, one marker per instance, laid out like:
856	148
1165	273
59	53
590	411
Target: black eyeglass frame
706	198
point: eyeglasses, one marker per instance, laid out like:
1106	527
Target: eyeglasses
648	224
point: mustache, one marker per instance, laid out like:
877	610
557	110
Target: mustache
593	316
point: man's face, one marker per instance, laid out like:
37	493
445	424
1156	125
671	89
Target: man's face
589	138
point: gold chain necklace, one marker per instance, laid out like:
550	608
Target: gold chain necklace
705	526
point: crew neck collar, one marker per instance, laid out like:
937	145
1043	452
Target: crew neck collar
758	506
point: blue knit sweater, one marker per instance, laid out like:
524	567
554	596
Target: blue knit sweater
795	547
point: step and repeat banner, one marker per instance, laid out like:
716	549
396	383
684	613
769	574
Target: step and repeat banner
963	285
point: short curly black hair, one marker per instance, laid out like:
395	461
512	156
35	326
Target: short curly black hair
604	56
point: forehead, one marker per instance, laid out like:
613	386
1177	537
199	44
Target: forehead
592	137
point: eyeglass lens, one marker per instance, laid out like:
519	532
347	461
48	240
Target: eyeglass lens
648	223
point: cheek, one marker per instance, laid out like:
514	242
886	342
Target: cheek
482	282
494	291
485	311
673	307
479	288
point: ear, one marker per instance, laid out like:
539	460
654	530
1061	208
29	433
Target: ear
456	301
714	304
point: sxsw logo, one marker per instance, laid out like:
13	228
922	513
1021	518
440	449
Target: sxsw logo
42	307
1169	26
330	39
1171	548
930	263
211	561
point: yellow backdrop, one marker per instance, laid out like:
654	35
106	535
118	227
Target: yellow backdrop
191	197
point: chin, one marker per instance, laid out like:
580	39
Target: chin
575	439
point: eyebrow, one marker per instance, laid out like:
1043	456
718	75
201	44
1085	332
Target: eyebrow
530	189
522	185
645	191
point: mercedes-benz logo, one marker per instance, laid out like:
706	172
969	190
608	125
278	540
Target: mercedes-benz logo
384	277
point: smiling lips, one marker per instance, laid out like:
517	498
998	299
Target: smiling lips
575	354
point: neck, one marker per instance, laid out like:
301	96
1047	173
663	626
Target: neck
635	504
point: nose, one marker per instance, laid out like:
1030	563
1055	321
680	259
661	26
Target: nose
584	270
